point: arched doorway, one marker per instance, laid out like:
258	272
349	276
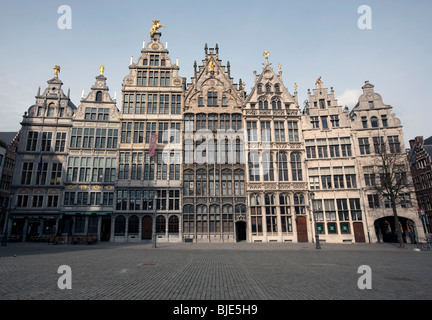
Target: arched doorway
385	229
240	231
147	227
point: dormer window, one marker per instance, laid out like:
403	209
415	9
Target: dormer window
99	96
322	104
51	110
371	105
154	60
374	122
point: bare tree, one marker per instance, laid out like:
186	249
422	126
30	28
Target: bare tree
394	183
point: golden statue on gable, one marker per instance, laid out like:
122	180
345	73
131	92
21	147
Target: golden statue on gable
211	65
266	54
101	69
56	70
156	26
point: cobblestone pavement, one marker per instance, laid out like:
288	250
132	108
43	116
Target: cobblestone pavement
237	271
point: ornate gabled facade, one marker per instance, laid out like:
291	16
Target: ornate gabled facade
214	203
41	160
204	162
374	128
332	174
91	166
276	182
148	187
420	160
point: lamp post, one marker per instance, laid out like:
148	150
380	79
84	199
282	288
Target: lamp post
6	223
312	196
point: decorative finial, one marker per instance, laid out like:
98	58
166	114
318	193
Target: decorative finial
156	26
177	61
266	54
243	85
279	67
56	71
143	44
295	87
101	69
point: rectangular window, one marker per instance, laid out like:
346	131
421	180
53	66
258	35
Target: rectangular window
279	131
293	131
322	148
176	104
394	144
212	99
314	122
32	141
364	145
334	119
373	200
345	147
60	142
252	131
310	149
334	147
37	201
265	131
324	122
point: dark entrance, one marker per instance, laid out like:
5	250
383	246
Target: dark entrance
302	229
385	229
147	226
241	231
105	229
32	230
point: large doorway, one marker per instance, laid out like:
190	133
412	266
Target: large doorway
241	231
147	227
105	229
302	229
359	235
385	229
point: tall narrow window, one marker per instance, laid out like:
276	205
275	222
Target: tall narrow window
296	168
212	99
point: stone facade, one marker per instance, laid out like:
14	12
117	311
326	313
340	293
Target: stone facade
204	161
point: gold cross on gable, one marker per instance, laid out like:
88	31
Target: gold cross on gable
56	70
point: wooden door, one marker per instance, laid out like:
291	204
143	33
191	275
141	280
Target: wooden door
358	232
302	235
147	226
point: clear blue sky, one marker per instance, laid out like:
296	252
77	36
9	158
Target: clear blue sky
308	38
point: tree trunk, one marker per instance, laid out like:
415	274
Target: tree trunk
396	221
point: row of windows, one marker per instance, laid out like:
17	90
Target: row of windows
37	201
212	219
263	168
153	78
212	100
145	200
212	122
315	122
141	132
91	138
375	201
374	122
379	145
331	147
371	174
225	183
91	169
88	198
133	225
152	103
340	179
45	140
140	166
37	174
278	131
50	111
337	209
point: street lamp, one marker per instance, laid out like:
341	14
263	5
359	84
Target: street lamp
312	196
6	223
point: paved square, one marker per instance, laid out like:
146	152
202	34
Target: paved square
237	271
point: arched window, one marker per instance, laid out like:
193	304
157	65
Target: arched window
276	104
99	96
277	87
296	168
214	183
299	204
268	88
133	225
173	224
256	214
120	226
260	88
374	122
51	109
188	218
160	224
